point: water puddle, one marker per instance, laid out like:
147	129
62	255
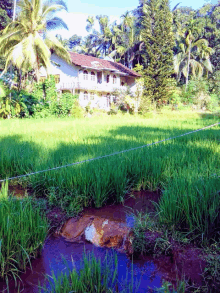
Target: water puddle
99	231
150	271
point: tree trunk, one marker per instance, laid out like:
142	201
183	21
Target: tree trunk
188	61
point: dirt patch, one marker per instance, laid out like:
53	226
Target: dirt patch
189	262
19	191
181	261
56	218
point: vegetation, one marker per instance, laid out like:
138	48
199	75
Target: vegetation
6	8
172	50
158	46
186	169
22	234
95	275
27	44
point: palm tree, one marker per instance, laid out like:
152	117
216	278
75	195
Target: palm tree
129	35
26	42
194	55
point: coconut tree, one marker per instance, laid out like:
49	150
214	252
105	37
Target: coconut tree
27	42
194	52
194	56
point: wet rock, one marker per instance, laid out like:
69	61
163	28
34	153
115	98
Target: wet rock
74	229
107	233
109	226
99	231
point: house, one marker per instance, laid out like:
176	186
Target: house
95	80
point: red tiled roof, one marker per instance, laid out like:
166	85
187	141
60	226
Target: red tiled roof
96	63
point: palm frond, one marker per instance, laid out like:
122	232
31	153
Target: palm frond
197	69
56	23
57	2
207	64
54	44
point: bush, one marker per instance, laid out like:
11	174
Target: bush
76	110
113	109
199	94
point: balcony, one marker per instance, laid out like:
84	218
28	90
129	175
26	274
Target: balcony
85	85
66	86
103	87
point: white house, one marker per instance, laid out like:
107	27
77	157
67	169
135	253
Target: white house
93	79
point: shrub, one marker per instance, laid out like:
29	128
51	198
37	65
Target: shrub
76	110
113	109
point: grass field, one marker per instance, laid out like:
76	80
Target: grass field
186	168
23	230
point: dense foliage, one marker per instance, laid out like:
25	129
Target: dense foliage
190	49
43	101
26	43
158	44
173	50
6	11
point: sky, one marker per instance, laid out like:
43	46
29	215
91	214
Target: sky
79	10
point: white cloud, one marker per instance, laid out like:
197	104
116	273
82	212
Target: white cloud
77	23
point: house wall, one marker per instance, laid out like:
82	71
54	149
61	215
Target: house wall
68	73
71	74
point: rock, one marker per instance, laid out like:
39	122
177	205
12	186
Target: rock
107	233
73	229
99	231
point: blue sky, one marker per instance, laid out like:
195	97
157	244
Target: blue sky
79	10
117	7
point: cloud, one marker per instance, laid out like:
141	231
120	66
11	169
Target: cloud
76	23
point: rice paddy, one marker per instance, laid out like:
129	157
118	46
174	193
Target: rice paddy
22	233
186	169
95	275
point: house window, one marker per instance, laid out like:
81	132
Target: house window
114	79
85	75
92	96
108	78
57	78
86	97
42	78
93	76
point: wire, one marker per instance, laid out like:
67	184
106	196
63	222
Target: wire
109	155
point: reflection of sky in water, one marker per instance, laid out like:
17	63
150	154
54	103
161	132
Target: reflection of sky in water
57	249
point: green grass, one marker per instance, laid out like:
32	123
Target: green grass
184	168
95	276
22	233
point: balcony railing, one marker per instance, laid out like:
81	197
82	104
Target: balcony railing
104	87
66	86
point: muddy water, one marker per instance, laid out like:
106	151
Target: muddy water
71	242
150	272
